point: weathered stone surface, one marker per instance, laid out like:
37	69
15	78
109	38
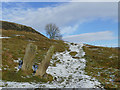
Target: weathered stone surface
45	63
29	57
0	58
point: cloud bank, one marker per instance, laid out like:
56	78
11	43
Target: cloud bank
90	37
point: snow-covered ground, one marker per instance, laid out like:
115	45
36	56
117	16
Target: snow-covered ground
4	37
69	72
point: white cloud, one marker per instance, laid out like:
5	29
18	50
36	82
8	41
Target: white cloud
69	29
66	15
89	37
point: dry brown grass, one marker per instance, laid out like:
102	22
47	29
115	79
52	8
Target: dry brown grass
14	47
73	53
102	60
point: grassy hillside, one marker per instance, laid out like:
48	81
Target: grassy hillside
102	63
17	27
13	48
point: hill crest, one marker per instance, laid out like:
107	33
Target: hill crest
5	25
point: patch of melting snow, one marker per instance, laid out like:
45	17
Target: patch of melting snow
17	61
111	57
69	73
19	35
5	68
4	37
17	69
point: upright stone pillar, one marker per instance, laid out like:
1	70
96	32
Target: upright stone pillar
45	63
29	57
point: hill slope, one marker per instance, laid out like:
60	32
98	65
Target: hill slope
13	48
17	27
101	62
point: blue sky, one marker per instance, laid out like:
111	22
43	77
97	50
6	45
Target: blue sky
79	22
30	4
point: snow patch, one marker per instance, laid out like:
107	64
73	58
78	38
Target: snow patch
17	61
19	35
4	37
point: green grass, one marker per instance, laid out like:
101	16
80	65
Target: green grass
101	65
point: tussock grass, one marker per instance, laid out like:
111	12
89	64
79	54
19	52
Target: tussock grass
102	63
73	53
